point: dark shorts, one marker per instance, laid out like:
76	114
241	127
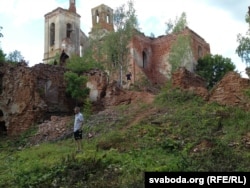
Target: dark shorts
78	135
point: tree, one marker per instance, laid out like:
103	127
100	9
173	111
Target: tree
76	82
178	25
15	57
76	86
82	64
2	56
243	50
213	67
180	52
116	44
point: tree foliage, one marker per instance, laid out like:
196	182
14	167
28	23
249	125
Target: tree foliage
76	82
178	25
76	86
15	57
116	44
213	67
243	49
2	56
111	51
180	52
82	64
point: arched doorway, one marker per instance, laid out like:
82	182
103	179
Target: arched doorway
3	129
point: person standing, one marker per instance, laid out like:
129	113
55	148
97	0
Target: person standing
128	75
78	128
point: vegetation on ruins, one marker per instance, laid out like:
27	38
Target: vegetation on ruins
213	68
180	52
243	50
2	56
178	132
115	46
76	80
178	25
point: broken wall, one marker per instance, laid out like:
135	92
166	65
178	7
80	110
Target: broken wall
231	91
150	55
30	95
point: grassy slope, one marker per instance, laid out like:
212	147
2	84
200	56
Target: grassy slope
178	132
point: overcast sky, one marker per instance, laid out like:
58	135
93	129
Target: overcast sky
217	21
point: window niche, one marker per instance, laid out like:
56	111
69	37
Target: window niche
108	18
200	53
52	34
144	59
69	30
97	17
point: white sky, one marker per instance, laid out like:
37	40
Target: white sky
217	21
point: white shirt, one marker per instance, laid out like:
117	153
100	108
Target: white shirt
78	121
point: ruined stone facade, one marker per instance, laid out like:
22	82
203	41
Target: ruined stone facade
30	95
102	20
62	33
230	90
188	81
150	55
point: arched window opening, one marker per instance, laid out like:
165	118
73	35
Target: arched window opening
3	129
200	53
52	34
108	17
144	59
81	50
97	16
69	30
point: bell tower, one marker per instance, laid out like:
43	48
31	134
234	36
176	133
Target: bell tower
62	32
102	19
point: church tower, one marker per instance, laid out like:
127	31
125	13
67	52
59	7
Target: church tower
102	20
62	32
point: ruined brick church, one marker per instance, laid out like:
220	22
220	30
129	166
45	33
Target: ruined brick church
149	56
35	93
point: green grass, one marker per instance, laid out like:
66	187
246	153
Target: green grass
186	134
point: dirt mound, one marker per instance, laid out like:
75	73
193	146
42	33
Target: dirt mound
55	129
62	127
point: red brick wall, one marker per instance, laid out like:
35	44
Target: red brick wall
156	68
230	90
